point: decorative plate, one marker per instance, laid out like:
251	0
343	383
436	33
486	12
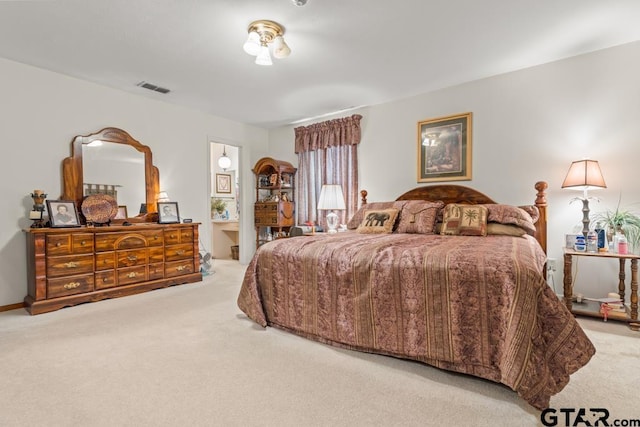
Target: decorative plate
99	208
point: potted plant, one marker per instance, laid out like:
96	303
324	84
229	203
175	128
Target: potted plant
621	221
218	205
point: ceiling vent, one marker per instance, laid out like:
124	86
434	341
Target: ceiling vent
153	87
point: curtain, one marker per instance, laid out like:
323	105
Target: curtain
327	154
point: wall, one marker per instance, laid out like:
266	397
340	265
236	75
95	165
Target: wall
42	111
528	126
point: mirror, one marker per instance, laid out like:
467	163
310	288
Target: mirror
112	161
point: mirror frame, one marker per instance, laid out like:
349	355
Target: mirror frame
72	173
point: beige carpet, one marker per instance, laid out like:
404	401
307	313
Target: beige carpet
186	356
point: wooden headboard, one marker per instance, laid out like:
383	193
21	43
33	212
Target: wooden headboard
460	194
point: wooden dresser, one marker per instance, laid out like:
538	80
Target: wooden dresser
69	266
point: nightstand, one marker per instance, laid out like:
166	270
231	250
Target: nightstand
592	308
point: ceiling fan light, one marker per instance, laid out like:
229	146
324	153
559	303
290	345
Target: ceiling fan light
264	58
252	45
280	48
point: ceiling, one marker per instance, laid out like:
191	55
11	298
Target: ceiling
345	54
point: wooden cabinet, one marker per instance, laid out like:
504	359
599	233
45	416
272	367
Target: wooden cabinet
274	210
69	266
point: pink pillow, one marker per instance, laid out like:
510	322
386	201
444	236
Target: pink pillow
419	217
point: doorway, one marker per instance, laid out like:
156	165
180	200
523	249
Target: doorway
225	201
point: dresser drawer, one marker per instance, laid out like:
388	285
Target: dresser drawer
182	235
105	279
132	275
69	244
69	265
105	261
140	239
156	255
131	258
176	252
178	268
156	271
70	285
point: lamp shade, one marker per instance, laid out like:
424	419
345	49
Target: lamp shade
584	175
331	197
224	161
163	196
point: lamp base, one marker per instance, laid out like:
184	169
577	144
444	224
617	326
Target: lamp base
332	222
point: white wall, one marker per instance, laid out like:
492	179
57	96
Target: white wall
528	126
41	113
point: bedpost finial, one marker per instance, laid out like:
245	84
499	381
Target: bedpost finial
363	195
541	197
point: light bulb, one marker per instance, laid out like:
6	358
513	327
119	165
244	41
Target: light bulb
252	45
280	48
263	57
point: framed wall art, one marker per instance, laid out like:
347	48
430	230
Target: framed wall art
63	213
223	183
444	148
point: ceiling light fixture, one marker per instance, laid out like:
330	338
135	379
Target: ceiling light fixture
299	2
224	161
261	34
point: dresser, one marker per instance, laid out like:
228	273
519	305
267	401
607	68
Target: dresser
69	266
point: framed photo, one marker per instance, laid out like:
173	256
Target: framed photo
223	183
122	213
63	213
168	213
444	149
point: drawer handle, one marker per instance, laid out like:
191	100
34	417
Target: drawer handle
71	285
83	243
173	236
105	280
132	258
71	264
156	237
58	244
180	267
132	275
180	252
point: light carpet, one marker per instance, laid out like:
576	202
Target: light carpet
187	356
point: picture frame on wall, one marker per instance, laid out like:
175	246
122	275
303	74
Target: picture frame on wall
63	213
168	213
444	148
223	183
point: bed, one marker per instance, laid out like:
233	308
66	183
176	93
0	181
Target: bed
472	302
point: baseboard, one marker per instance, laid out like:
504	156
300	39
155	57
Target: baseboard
11	306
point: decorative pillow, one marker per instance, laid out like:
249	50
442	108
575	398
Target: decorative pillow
357	218
513	215
464	220
378	221
418	216
505	229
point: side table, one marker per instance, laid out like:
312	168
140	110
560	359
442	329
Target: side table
592	308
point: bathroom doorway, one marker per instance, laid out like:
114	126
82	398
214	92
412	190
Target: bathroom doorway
225	201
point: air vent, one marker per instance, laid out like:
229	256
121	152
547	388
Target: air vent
153	87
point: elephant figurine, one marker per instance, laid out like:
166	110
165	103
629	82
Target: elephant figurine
376	219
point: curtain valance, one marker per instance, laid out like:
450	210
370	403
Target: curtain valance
331	133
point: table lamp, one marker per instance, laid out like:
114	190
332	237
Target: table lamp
331	198
584	175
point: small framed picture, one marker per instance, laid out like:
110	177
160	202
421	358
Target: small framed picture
168	213
122	213
223	183
63	213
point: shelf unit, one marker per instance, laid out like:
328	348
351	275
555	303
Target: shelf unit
274	209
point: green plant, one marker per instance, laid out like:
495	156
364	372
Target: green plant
218	205
621	221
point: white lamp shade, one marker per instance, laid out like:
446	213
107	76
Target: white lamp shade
280	48
584	175
163	196
264	58
331	197
252	45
